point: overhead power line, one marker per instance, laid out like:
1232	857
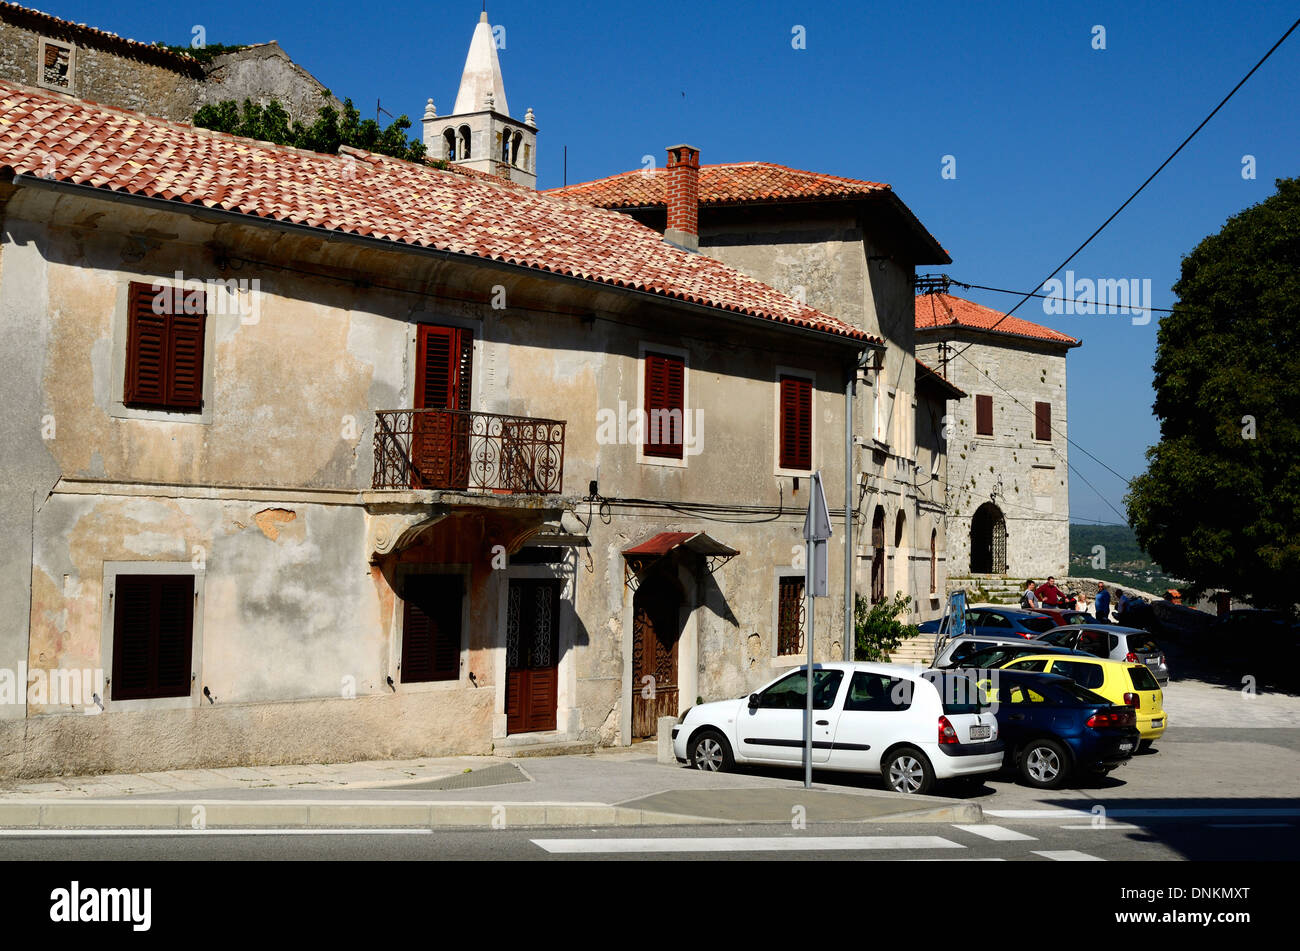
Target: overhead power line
1115	214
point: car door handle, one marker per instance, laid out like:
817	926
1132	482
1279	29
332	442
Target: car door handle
823	722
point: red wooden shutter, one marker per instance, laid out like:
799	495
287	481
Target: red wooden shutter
665	405
431	628
146	346
796	423
153	636
164	347
438	369
983	415
1043	421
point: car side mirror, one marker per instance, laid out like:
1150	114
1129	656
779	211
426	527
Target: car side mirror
753	701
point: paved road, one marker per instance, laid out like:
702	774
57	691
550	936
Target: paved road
1033	840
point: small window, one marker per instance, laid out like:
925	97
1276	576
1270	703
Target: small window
55	65
449	145
153	636
1141	678
665	409
878	693
796	423
431	628
983	416
1043	421
790	617
791	691
164	348
1035	665
1085	675
462	148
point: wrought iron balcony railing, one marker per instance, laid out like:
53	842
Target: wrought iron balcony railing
457	449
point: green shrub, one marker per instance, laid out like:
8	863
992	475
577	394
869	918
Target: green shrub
877	630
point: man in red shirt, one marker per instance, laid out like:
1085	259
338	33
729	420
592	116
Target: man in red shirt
1049	594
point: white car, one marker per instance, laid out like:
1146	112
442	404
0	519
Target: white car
913	727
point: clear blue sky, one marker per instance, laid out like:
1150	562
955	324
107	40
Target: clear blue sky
1049	134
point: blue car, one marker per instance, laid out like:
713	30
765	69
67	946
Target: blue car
1054	729
998	620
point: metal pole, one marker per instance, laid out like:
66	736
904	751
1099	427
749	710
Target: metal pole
850	637
808	716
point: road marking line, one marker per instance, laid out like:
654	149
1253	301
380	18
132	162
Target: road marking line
997	833
97	833
1191	813
1069	855
812	843
1106	825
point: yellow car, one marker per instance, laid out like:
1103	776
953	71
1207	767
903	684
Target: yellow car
1119	681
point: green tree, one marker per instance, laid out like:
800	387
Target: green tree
1220	500
877	630
271	123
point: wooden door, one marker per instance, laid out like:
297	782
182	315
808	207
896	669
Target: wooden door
532	655
656	633
440	441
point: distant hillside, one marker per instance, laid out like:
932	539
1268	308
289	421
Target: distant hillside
1126	563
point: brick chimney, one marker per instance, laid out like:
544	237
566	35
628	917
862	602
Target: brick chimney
683	197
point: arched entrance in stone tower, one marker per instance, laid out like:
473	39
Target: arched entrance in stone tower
988	540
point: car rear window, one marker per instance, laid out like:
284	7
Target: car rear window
1142	679
1086	675
958	694
1142	645
1038	624
1073	693
1058	637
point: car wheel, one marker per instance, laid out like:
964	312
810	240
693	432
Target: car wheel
710	752
906	770
1044	764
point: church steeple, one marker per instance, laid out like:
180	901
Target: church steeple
481	76
480	132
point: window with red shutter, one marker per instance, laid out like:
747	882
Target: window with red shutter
665	405
153	636
164	348
1043	421
796	423
431	628
983	415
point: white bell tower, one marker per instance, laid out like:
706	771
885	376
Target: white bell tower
480	132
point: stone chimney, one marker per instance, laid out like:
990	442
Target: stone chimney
683	198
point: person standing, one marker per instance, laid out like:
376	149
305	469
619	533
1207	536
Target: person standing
1029	597
1048	593
1101	606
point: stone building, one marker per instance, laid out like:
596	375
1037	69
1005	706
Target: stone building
38	49
479	133
1008	486
849	248
316	457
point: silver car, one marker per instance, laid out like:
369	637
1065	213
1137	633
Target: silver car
1113	642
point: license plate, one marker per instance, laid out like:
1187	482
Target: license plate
980	732
1156	723
1125	747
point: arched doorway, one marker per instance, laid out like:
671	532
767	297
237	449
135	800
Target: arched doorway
656	634
902	555
988	540
878	555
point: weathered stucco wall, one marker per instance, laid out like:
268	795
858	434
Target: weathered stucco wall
264	495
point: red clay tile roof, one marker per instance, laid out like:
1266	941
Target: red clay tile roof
936	311
48	135
735	183
749	183
926	372
66	29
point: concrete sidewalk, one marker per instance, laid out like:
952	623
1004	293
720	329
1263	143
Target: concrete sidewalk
625	787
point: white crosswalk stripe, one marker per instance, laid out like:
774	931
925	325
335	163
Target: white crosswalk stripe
1068	855
996	833
810	843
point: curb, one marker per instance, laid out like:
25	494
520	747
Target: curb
203	814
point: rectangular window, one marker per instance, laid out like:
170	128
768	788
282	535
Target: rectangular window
790	607
431	627
164	348
153	634
665	405
1043	421
983	415
796	423
55	66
